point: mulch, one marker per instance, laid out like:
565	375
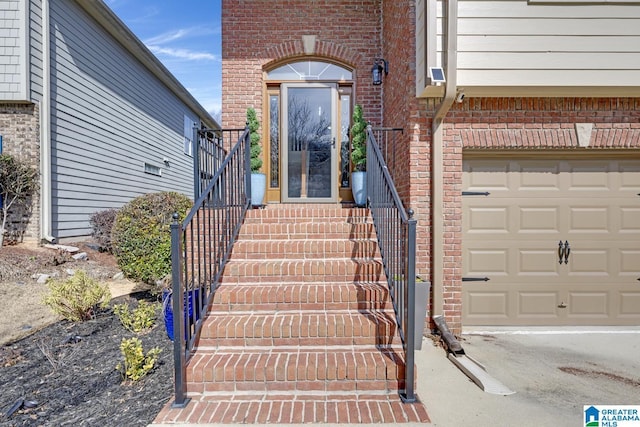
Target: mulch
67	372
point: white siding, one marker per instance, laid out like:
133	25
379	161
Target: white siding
12	51
521	44
110	115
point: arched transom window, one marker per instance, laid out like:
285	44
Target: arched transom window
310	70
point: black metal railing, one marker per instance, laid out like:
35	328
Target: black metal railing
200	248
208	155
396	233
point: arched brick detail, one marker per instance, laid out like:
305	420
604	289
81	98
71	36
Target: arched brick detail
323	49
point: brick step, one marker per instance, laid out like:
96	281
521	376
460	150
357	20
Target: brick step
301	328
301	296
330	408
300	271
306	230
289	370
303	249
307	213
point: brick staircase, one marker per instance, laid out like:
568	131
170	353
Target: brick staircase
302	329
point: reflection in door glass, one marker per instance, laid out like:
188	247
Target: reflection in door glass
309	142
274	141
345	146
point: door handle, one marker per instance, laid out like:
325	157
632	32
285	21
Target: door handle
567	251
560	252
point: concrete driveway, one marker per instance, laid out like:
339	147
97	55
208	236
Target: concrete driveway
553	374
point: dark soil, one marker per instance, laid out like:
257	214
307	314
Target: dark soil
69	369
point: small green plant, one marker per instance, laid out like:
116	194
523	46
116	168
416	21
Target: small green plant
136	364
18	182
78	297
139	319
101	226
254	135
359	141
141	235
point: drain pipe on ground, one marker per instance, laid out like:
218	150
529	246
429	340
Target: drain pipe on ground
437	155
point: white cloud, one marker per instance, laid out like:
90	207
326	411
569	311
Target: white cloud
182	53
167	37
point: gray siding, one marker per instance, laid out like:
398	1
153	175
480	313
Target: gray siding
12	40
35	50
110	115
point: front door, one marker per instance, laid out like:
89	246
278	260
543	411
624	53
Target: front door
309	153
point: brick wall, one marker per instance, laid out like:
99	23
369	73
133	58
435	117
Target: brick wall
20	130
256	34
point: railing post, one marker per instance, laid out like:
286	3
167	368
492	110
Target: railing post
195	146
247	162
177	294
409	395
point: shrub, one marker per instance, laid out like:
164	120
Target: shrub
18	182
359	140
141	235
101	225
139	319
78	297
254	136
136	364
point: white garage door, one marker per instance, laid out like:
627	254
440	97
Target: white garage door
553	242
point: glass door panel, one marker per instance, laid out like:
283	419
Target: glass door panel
309	132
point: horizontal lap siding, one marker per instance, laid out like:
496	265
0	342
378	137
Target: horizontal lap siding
110	115
516	43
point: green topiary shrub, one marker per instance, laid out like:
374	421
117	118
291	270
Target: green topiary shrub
359	141
78	297
101	226
254	135
141	235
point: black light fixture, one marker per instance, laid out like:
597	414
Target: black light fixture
379	65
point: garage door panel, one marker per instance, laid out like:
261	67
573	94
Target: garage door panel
541	304
588	304
536	219
593	219
588	262
628	302
630	219
483	219
591	204
538	175
629	261
538	262
487	261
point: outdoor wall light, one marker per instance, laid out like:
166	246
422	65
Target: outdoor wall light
379	65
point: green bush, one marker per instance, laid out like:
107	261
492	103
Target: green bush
141	235
101	225
359	141
78	297
139	319
254	136
136	364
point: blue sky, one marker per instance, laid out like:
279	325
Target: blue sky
186	38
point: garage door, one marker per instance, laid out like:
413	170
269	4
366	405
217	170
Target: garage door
550	241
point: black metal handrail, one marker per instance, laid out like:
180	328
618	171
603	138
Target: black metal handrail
200	248
396	233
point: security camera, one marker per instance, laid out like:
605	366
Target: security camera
460	97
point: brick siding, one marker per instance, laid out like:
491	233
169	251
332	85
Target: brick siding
20	130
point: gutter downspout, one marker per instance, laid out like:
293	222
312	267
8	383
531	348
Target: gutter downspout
45	129
437	168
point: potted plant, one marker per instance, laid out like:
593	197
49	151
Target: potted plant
359	157
258	180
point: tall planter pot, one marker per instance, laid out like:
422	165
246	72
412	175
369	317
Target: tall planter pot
258	188
191	299
359	188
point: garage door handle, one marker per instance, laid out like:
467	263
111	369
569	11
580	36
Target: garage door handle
567	251
560	252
